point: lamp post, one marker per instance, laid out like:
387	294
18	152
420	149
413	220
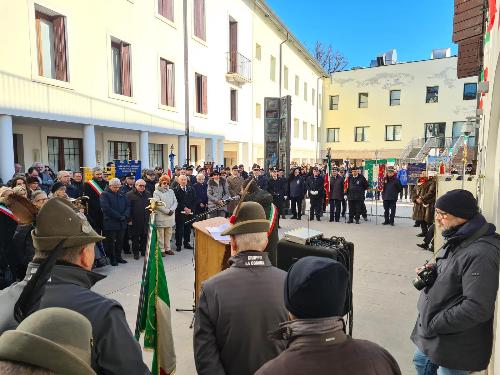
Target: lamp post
467	130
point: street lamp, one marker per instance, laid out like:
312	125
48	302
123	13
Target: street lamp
467	130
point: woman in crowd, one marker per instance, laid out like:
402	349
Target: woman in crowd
296	190
200	188
39	198
58	190
217	191
165	218
18	180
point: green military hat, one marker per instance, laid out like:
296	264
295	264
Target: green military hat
56	339
58	221
249	217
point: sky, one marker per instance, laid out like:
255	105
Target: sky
363	29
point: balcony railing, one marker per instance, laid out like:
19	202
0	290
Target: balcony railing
239	68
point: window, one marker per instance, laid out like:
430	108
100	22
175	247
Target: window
394	97
334	102
393	132
258	51
333	135
360	133
233	98
272	72
258	110
363	100
304	130
297	82
296	128
166	9
470	91
65	153
120	59
119	150
313	132
193	153
155	155
201	94
305	91
51	46
436	130
432	94
199	19
167	83
285	77
313	96
458	129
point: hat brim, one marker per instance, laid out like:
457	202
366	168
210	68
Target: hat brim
31	349
248	226
50	243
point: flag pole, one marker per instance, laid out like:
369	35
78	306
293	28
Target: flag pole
153	204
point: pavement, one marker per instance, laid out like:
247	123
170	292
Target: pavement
385	259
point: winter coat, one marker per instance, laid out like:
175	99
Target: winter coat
150	185
296	187
217	192
8	227
115	210
356	187
314	346
454	327
185	199
262	182
234	184
427	192
138	213
315	187
77	188
165	217
22	250
124	189
69	287
391	189
337	188
201	196
230	334
94	204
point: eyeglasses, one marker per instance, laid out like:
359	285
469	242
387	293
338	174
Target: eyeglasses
141	185
441	214
41	200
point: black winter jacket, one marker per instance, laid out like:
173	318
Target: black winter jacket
138	213
115	210
392	188
296	187
337	188
454	327
356	187
315	184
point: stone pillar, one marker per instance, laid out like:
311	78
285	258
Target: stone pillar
6	148
144	149
243	153
182	150
220	152
89	159
209	152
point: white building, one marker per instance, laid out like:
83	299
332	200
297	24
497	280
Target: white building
88	82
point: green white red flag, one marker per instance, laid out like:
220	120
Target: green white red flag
327	178
155	317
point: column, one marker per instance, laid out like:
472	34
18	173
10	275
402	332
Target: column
182	150
220	152
6	148
144	149
243	153
209	152
89	158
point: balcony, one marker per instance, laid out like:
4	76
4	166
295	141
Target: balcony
239	69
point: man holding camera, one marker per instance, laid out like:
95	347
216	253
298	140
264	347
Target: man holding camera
454	328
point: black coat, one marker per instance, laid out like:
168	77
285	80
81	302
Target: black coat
392	188
244	174
150	185
124	189
138	213
201	196
22	250
454	327
296	187
356	187
262	182
315	184
78	188
185	199
7	229
94	204
277	188
337	188
115	210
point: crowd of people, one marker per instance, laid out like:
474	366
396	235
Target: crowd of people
293	323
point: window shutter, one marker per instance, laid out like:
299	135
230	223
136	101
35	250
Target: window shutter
199	19
204	104
163	79
233	105
39	45
60	49
125	55
166	9
170	84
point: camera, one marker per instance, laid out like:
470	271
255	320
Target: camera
425	277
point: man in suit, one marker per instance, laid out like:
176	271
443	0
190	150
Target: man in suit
276	187
316	190
186	203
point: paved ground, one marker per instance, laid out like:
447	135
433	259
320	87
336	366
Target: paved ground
384	299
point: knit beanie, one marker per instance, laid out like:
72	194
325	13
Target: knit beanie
316	287
57	185
460	203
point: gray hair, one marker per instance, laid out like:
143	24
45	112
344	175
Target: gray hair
139	181
251	241
114	181
36	193
61	173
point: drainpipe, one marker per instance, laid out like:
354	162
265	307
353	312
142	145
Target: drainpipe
281	65
317	117
186	83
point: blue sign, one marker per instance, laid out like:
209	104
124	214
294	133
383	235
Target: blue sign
123	167
414	170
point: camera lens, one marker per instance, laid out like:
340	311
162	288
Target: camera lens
418	283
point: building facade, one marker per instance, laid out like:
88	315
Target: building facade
376	112
88	82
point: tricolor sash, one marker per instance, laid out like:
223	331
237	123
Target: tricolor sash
273	214
95	186
7	212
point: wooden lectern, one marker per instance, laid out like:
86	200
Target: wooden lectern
211	256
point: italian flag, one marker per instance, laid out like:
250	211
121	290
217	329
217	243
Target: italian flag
273	214
327	179
155	315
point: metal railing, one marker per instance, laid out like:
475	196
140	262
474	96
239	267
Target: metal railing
412	148
239	64
427	147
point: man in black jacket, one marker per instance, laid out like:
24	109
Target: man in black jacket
356	187
63	234
77	184
93	189
316	191
186	204
276	187
390	192
336	195
454	328
139	217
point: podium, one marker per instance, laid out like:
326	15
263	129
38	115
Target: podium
211	256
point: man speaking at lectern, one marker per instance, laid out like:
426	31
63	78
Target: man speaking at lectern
240	305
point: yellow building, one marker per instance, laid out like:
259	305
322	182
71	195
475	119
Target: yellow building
377	111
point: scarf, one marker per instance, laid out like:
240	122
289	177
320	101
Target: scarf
307	327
